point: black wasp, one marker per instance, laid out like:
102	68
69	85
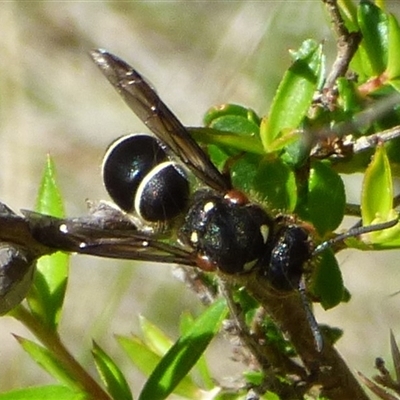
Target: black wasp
148	178
219	228
224	229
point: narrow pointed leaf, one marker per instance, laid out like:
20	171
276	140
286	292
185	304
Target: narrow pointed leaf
48	362
140	354
294	94
349	12
186	324
393	67
111	375
377	189
146	360
154	337
49	199
184	354
251	144
47	295
373	23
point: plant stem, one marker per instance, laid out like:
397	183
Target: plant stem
52	341
347	44
326	368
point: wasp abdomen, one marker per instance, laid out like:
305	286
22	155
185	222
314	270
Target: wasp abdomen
140	178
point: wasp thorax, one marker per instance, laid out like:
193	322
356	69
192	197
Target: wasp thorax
140	178
230	236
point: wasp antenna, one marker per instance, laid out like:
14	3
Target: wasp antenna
356	231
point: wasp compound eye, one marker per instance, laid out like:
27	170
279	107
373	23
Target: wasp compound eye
16	275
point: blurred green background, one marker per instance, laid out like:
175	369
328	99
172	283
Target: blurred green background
197	54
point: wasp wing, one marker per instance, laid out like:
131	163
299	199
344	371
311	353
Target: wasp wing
147	105
102	238
15	230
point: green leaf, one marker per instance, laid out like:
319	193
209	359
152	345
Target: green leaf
348	10
146	360
377	189
236	124
294	95
217	112
186	324
51	392
140	354
393	65
348	96
184	354
248	305
287	138
228	139
373	23
275	184
377	203
327	281
48	362
47	295
297	150
243	172
111	375
232	127
49	199
395	83
326	199
255	378
154	337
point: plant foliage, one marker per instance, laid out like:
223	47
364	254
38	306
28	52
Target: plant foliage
290	159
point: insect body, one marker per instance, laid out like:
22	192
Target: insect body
227	233
224	229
